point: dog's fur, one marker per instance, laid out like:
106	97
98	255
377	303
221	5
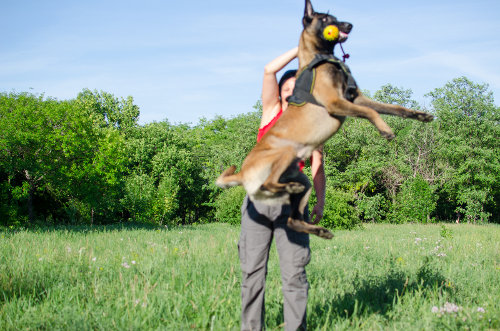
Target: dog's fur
270	173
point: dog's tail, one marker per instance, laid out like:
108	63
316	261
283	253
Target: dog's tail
228	178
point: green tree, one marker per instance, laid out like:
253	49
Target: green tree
29	149
106	110
58	160
97	175
469	148
96	179
167	155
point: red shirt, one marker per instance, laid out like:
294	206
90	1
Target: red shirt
263	130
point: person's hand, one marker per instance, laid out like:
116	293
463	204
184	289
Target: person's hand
317	214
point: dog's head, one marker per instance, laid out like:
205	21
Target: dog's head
325	29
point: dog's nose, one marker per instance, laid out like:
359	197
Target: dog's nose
345	27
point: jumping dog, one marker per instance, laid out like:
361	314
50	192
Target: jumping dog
325	93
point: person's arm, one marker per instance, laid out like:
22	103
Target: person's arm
319	182
271	104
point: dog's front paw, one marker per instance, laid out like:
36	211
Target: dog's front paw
324	233
388	135
424	117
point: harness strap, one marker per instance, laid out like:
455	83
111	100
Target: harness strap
304	85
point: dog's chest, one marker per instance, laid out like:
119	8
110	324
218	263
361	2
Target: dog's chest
320	126
336	71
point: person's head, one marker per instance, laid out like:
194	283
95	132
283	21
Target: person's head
286	85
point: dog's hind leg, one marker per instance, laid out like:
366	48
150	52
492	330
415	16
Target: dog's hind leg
283	158
298	204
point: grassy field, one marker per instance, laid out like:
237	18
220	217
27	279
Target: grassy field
413	277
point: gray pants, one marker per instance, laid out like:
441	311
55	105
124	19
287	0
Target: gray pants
259	224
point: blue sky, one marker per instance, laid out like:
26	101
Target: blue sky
190	59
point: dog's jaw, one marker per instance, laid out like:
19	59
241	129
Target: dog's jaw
342	36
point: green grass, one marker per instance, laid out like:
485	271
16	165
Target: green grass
126	278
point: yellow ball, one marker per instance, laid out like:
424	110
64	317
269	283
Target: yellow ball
331	33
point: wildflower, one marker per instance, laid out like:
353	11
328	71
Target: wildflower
447	308
125	265
436	249
441	254
451	308
417	240
40	259
481	310
94	259
133	262
68	249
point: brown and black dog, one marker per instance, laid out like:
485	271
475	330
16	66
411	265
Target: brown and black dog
325	93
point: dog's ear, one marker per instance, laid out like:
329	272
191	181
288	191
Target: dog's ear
308	13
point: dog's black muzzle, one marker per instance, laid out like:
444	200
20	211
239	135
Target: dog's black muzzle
345	27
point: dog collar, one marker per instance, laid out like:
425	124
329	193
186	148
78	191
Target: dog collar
304	85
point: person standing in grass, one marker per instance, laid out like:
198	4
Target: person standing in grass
261	223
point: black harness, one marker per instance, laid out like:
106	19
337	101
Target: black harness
304	85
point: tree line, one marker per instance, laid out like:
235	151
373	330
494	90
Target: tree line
88	161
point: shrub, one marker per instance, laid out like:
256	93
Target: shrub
472	204
339	210
228	205
139	196
372	209
415	202
166	205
